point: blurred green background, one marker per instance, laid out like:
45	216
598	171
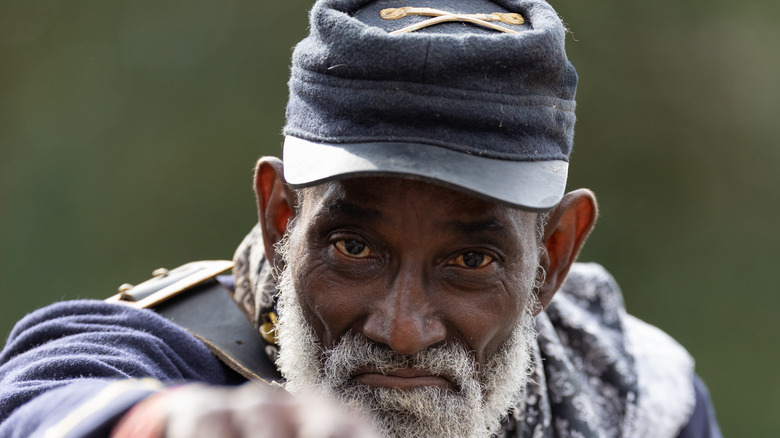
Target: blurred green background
128	132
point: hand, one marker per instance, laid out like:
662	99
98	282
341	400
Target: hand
251	410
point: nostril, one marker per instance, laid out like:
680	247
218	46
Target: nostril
375	327
436	329
415	334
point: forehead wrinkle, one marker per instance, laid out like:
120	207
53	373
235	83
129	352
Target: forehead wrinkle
329	200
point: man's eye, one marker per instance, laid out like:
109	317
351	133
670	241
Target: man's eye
353	248
473	260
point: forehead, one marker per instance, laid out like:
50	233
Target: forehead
381	199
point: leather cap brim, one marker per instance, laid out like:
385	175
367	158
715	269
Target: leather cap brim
530	185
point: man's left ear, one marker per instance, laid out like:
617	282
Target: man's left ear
275	204
568	225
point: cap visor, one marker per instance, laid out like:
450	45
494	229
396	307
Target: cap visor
532	185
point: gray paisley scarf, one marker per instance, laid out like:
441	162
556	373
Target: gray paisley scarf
598	372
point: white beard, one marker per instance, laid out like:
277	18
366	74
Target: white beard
474	409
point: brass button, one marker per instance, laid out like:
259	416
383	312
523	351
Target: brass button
160	272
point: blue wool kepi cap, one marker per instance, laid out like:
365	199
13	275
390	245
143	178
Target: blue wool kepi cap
477	95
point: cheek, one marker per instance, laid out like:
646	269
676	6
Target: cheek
486	320
486	324
329	304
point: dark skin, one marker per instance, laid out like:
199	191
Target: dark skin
412	265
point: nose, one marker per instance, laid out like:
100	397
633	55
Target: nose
405	319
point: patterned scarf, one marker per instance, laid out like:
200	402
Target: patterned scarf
597	371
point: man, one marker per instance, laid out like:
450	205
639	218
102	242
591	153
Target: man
418	248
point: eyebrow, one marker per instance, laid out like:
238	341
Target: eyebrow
342	207
491	226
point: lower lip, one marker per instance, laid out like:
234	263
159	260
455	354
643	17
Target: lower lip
381	380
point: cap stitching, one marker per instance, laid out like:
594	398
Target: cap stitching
440	16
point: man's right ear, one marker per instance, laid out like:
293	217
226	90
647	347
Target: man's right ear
275	204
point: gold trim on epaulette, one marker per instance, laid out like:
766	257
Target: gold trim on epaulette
202	271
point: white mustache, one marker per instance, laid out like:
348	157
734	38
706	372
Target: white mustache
355	350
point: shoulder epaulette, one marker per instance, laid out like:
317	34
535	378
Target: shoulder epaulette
191	297
166	284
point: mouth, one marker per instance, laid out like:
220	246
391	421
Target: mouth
402	378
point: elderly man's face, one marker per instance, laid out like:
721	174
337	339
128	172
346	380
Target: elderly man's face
419	298
411	302
412	265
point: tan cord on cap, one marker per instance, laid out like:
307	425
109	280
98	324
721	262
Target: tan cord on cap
444	16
